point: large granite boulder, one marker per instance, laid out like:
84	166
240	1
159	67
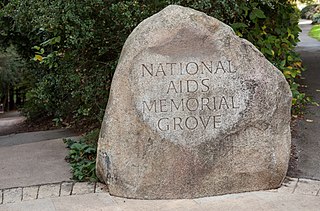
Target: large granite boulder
194	111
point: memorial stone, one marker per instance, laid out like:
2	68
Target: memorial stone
193	111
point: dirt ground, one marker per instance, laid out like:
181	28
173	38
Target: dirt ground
12	122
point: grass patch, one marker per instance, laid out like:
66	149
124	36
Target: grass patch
315	32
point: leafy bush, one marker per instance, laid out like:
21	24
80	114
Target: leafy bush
82	156
316	18
308	11
72	47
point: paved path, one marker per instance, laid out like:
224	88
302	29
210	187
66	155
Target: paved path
294	195
33	163
9	120
308	129
31	137
32	158
10	114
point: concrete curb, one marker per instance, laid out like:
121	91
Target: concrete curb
300	186
51	190
295	194
296	186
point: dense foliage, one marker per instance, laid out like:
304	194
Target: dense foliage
316	18
72	47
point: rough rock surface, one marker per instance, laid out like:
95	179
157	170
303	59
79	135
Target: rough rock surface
194	111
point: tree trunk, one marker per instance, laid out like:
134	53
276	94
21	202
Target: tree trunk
18	97
11	99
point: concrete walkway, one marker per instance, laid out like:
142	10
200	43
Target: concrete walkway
294	195
33	164
31	137
9	119
32	158
307	139
307	43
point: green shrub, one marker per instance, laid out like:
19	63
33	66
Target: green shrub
316	18
72	47
308	11
82	156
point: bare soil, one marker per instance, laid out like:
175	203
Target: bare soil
26	126
293	162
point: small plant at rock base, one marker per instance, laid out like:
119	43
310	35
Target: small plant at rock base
82	156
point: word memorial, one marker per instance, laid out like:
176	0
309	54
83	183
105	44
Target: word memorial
193	111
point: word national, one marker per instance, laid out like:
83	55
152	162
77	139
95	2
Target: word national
189	68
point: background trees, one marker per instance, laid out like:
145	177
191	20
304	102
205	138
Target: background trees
12	83
71	48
